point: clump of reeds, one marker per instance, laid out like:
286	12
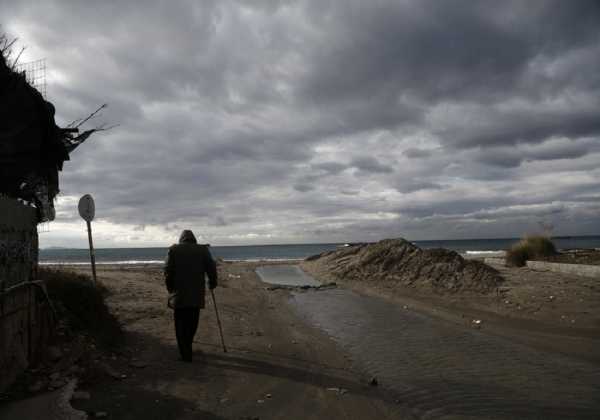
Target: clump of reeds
528	248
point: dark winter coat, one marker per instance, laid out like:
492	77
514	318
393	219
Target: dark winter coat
186	267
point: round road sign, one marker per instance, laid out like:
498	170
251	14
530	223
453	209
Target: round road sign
87	208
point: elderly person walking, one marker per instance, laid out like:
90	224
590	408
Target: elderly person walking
186	267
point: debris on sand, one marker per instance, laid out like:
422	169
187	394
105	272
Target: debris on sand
81	395
398	262
326	286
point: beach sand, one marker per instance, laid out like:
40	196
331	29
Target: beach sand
277	366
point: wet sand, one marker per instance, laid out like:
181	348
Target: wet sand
440	369
552	311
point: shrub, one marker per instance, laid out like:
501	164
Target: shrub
517	255
530	247
81	303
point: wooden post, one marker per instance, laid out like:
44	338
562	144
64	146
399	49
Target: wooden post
92	256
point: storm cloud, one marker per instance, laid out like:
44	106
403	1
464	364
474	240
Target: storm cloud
318	121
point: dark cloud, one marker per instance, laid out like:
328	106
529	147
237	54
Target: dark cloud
330	167
551	150
414	153
371	165
277	121
412	185
303	187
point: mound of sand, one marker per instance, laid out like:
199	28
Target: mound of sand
399	263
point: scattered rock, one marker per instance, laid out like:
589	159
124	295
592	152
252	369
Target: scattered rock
374	381
37	386
260	401
57	383
62	409
110	371
139	364
54	376
100	414
54	353
341	391
73	369
304	287
81	395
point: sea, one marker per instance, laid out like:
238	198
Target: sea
288	252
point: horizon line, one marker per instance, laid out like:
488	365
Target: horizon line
331	243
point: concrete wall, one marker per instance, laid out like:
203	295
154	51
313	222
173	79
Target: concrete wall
18	243
495	261
25	321
583	270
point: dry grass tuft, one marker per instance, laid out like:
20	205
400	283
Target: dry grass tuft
530	247
81	303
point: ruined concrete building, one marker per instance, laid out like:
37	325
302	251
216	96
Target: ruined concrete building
32	151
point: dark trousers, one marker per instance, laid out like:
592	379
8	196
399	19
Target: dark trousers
186	324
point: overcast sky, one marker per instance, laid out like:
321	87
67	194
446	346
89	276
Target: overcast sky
323	121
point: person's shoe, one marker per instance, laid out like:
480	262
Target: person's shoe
187	359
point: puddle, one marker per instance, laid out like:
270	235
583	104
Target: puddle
442	370
286	275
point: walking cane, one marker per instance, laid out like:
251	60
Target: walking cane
218	320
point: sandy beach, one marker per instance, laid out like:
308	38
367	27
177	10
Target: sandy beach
281	365
331	352
276	365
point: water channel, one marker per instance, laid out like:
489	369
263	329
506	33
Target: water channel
443	370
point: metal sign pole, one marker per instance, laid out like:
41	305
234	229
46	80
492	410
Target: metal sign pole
92	256
87	211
